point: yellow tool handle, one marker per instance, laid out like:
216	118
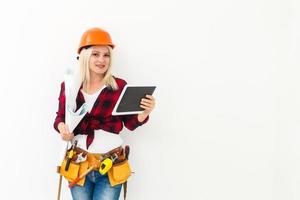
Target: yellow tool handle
70	154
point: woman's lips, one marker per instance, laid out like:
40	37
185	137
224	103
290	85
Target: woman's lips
100	66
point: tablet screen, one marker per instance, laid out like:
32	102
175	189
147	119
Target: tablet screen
130	99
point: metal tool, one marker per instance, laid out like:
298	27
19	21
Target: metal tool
70	155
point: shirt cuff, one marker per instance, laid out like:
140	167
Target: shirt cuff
138	123
57	121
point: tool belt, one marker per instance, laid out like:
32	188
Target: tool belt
82	161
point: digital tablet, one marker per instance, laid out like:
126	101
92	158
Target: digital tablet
130	99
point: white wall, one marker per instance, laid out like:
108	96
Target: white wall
226	125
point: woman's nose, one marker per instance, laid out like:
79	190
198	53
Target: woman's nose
101	58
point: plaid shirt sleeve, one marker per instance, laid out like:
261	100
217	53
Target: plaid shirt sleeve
60	114
131	121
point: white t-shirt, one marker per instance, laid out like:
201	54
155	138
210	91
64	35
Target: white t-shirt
103	141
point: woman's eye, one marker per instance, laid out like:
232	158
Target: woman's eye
107	55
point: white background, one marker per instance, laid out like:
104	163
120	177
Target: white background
226	125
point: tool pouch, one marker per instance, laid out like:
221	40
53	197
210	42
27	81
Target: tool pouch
119	173
74	171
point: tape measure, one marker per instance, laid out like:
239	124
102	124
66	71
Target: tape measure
105	165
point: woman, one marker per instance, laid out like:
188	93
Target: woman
98	132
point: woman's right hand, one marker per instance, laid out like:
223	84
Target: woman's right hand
64	132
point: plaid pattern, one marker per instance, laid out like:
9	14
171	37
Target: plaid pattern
100	116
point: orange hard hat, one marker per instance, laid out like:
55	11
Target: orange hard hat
95	36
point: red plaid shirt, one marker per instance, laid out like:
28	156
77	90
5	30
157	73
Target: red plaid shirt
100	116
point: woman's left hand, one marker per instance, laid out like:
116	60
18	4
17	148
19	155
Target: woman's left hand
148	104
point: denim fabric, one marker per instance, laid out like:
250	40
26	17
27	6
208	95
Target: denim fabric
96	187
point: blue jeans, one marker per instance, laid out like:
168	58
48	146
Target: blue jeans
96	187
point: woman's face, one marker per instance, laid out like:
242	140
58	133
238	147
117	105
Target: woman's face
99	60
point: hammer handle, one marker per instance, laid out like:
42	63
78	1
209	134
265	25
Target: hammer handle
80	177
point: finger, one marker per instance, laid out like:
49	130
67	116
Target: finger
63	137
146	108
143	106
147	100
149	96
67	137
63	134
147	111
150	104
147	104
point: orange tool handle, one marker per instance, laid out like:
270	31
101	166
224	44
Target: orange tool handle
80	177
74	182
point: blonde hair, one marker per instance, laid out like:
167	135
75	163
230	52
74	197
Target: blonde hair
84	69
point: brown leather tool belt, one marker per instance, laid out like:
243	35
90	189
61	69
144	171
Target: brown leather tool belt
117	154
